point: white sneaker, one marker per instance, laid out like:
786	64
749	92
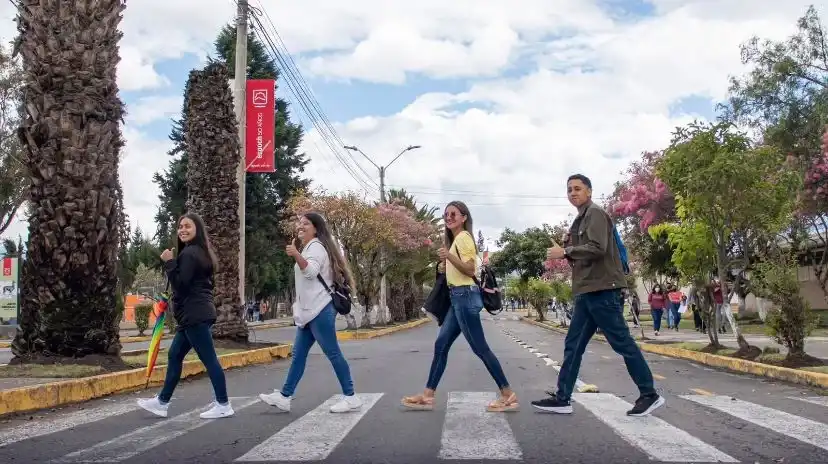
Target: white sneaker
347	404
276	399
217	411
154	406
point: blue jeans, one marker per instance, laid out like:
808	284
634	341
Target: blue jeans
657	314
464	317
321	329
674	311
199	338
601	310
670	318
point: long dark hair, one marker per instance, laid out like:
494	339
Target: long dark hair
201	240
464	210
339	266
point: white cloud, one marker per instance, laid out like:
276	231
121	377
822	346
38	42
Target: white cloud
599	90
153	108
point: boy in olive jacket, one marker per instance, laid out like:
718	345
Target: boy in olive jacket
597	280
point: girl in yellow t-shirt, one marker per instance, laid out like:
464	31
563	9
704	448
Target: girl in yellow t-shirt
459	256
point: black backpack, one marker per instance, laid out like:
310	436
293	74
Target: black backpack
489	292
340	295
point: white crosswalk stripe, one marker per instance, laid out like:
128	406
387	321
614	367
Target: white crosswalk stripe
314	436
469	432
655	437
820	400
33	429
800	428
145	438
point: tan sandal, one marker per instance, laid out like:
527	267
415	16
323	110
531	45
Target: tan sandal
504	404
419	402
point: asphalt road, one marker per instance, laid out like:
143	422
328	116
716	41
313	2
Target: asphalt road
767	422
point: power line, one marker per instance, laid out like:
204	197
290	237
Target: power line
440	191
307	103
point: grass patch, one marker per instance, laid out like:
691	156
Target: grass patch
55	371
74	371
140	360
704	348
375	327
819	369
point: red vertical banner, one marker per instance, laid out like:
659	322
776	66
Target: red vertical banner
260	130
7	267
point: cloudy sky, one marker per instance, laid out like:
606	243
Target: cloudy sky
506	98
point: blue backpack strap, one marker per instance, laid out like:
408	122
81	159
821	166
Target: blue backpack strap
622	250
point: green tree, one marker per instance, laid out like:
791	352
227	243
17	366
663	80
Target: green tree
695	258
539	292
791	320
785	97
525	252
724	182
268	270
13	177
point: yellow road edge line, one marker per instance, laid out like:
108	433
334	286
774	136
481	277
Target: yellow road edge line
701	391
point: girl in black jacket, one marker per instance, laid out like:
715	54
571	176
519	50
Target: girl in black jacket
191	278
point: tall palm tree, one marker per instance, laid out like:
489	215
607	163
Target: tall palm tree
213	144
72	138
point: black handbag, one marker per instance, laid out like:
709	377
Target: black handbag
438	301
340	296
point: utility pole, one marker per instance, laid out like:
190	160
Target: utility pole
382	169
239	92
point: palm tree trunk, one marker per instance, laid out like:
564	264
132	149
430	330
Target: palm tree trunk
72	138
213	143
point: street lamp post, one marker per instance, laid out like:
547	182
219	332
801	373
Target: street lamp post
382	170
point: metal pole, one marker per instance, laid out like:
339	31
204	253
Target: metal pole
383	282
240	84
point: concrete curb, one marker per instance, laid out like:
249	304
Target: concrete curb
743	366
53	394
343	335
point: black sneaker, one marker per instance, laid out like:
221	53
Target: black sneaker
645	405
553	404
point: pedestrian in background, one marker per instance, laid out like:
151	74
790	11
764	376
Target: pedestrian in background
318	259
459	254
657	301
191	278
597	280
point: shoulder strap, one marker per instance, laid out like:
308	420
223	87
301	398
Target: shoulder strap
322	281
476	282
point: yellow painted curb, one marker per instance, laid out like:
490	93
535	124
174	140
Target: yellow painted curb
5	344
343	335
798	376
77	390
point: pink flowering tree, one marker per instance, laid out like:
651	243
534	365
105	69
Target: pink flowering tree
556	269
411	248
642	199
639	201
812	207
